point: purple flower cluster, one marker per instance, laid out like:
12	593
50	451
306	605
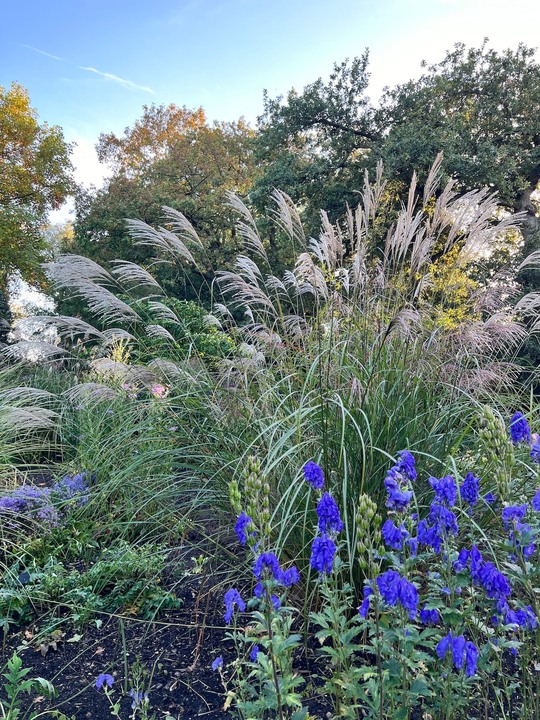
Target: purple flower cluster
445	490
394	589
232	597
268	565
328	513
470	489
241	527
313	475
33	502
524	618
495	584
535	502
394	536
535	450
140	698
72	487
462	651
330	524
430	616
323	551
38	503
397	482
513	513
519	429
521	535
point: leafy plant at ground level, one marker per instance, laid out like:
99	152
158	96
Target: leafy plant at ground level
15	684
121	579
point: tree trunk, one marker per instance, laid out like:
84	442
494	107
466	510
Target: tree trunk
5	313
530	229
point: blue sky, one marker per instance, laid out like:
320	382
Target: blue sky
90	66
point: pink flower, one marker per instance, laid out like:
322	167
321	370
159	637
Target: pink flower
159	391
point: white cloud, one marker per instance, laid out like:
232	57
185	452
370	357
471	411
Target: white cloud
88	171
43	52
120	81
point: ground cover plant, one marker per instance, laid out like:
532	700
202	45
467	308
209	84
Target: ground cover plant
128	443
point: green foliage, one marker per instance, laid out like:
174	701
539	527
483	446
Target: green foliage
478	106
173	157
16	683
388	661
35	177
191	333
121	579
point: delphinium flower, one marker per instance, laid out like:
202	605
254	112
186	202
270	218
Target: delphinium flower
462	560
535	502
104	680
495	584
267	562
140	698
428	536
218	663
519	429
470	488
267	567
513	513
430	616
323	551
523	538
406	465
525	618
290	576
241	527
445	490
393	535
330	524
398	480
399	496
394	588
443	519
328	513
490	498
313	475
461	650
232	598
364	607
443	524
253	654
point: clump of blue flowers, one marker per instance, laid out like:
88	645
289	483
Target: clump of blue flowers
313	475
330	525
398	482
519	429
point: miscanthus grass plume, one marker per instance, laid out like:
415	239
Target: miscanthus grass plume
354	352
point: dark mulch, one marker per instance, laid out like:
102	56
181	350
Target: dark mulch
176	650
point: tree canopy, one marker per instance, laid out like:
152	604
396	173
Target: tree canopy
481	108
171	156
35	177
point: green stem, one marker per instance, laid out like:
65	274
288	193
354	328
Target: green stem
272	657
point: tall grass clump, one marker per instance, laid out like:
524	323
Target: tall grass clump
375	341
